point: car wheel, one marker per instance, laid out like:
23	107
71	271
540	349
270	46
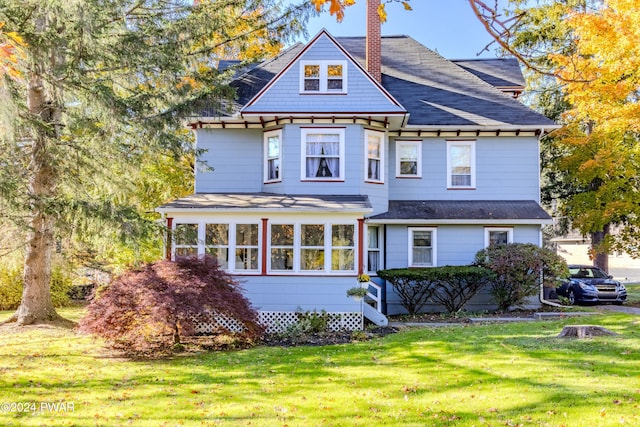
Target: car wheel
571	297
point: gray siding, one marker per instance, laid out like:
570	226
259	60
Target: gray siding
456	245
236	158
506	169
282	293
284	95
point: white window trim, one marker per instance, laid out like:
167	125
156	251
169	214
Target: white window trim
416	143
488	230
297	247
303	153
379	250
231	239
468	143
323	77
199	241
381	135
434	245
267	135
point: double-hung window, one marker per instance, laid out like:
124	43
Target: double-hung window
185	240
312	247
246	247
342	247
422	247
498	236
282	247
408	159
373	249
273	156
216	243
461	164
374	149
322	153
323	77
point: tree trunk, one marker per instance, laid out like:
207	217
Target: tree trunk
600	259
36	305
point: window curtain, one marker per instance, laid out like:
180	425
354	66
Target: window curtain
323	155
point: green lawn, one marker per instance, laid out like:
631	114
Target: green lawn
633	293
515	374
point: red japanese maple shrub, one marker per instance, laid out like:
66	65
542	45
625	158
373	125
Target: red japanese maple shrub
146	311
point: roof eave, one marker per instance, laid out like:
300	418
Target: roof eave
418	221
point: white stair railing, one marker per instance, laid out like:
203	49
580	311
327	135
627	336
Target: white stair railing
372	304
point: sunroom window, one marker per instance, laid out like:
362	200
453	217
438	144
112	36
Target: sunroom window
342	247
312	247
282	247
185	240
216	243
246	247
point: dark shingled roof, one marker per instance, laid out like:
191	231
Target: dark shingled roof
434	90
463	210
269	201
499	72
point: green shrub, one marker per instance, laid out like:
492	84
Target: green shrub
414	286
456	285
450	286
145	312
518	268
10	286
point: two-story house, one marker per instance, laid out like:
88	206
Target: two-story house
351	155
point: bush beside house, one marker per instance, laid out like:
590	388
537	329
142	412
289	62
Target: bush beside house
519	267
451	286
148	311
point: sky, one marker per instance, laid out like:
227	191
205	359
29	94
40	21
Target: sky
446	26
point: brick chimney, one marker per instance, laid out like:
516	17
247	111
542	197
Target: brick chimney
373	58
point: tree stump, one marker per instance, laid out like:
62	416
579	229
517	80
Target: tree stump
584	331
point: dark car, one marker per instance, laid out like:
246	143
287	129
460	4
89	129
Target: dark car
591	285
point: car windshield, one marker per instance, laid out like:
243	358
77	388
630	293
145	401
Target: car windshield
588	273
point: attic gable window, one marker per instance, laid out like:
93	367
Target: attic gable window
323	77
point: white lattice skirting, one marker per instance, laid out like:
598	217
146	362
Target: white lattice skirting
277	321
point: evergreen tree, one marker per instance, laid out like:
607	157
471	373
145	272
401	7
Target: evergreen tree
101	90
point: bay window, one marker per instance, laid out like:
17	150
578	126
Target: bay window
374	150
323	153
272	150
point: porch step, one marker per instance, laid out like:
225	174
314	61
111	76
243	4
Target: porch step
374	315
